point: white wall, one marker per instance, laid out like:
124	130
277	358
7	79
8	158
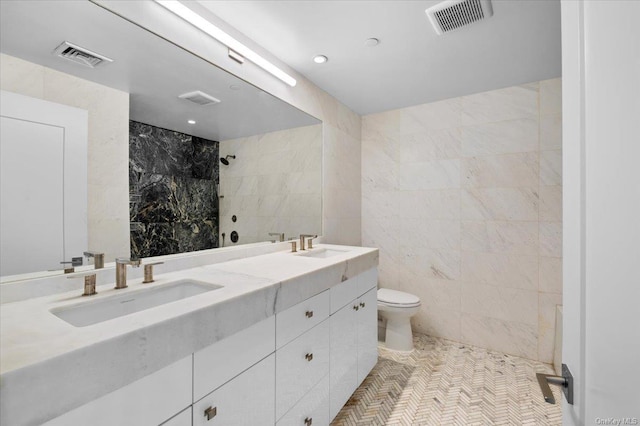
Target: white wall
463	197
273	185
108	145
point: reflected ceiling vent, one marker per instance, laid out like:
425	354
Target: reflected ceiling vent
200	98
453	14
80	55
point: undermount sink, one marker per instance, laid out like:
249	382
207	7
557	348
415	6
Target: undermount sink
93	312
323	253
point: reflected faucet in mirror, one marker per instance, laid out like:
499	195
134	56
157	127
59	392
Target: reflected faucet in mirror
75	261
280	235
98	258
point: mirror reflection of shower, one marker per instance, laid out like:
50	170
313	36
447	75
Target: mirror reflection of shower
225	160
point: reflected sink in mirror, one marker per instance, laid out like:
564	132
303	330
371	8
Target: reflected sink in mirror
323	253
93	312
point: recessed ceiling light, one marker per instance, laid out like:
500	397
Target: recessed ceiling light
234	87
191	121
371	42
320	59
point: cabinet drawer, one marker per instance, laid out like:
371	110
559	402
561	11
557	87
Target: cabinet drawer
245	400
312	408
343	293
148	401
367	280
215	365
294	321
300	365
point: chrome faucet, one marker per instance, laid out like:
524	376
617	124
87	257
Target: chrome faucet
121	270
303	236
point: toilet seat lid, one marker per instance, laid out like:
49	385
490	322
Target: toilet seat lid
394	297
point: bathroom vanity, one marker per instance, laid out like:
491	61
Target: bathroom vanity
272	339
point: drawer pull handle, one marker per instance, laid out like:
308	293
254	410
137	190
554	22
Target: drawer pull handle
356	307
210	412
308	357
309	314
308	421
362	304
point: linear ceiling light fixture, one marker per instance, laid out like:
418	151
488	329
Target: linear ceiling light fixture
207	27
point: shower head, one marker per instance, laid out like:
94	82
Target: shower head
225	161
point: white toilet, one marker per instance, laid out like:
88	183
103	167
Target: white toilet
397	308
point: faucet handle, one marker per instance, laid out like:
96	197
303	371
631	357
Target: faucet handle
89	283
75	261
148	272
310	241
98	258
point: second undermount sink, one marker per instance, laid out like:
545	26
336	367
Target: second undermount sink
93	312
322	252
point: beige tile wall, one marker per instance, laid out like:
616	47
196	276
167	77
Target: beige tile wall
464	199
273	185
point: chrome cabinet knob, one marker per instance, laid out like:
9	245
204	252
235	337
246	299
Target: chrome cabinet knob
309	314
356	307
362	304
308	357
308	421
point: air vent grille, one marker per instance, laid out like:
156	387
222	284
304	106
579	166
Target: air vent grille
80	55
453	14
200	98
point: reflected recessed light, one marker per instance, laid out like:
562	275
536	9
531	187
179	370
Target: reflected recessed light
234	87
320	59
191	121
371	42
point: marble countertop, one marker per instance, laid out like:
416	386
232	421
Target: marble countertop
42	355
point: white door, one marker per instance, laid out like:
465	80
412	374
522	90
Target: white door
31	196
601	201
43	183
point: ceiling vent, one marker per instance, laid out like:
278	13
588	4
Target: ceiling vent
80	55
453	14
200	98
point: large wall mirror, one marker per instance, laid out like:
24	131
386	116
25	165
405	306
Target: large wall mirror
180	155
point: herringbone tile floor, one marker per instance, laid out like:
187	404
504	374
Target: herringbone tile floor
448	383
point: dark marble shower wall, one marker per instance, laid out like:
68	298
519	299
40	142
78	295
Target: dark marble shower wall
173	191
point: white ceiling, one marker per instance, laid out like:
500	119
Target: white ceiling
153	71
411	65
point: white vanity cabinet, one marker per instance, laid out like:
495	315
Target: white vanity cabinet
247	400
312	409
304	361
220	362
151	400
183	418
353	324
234	378
298	367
